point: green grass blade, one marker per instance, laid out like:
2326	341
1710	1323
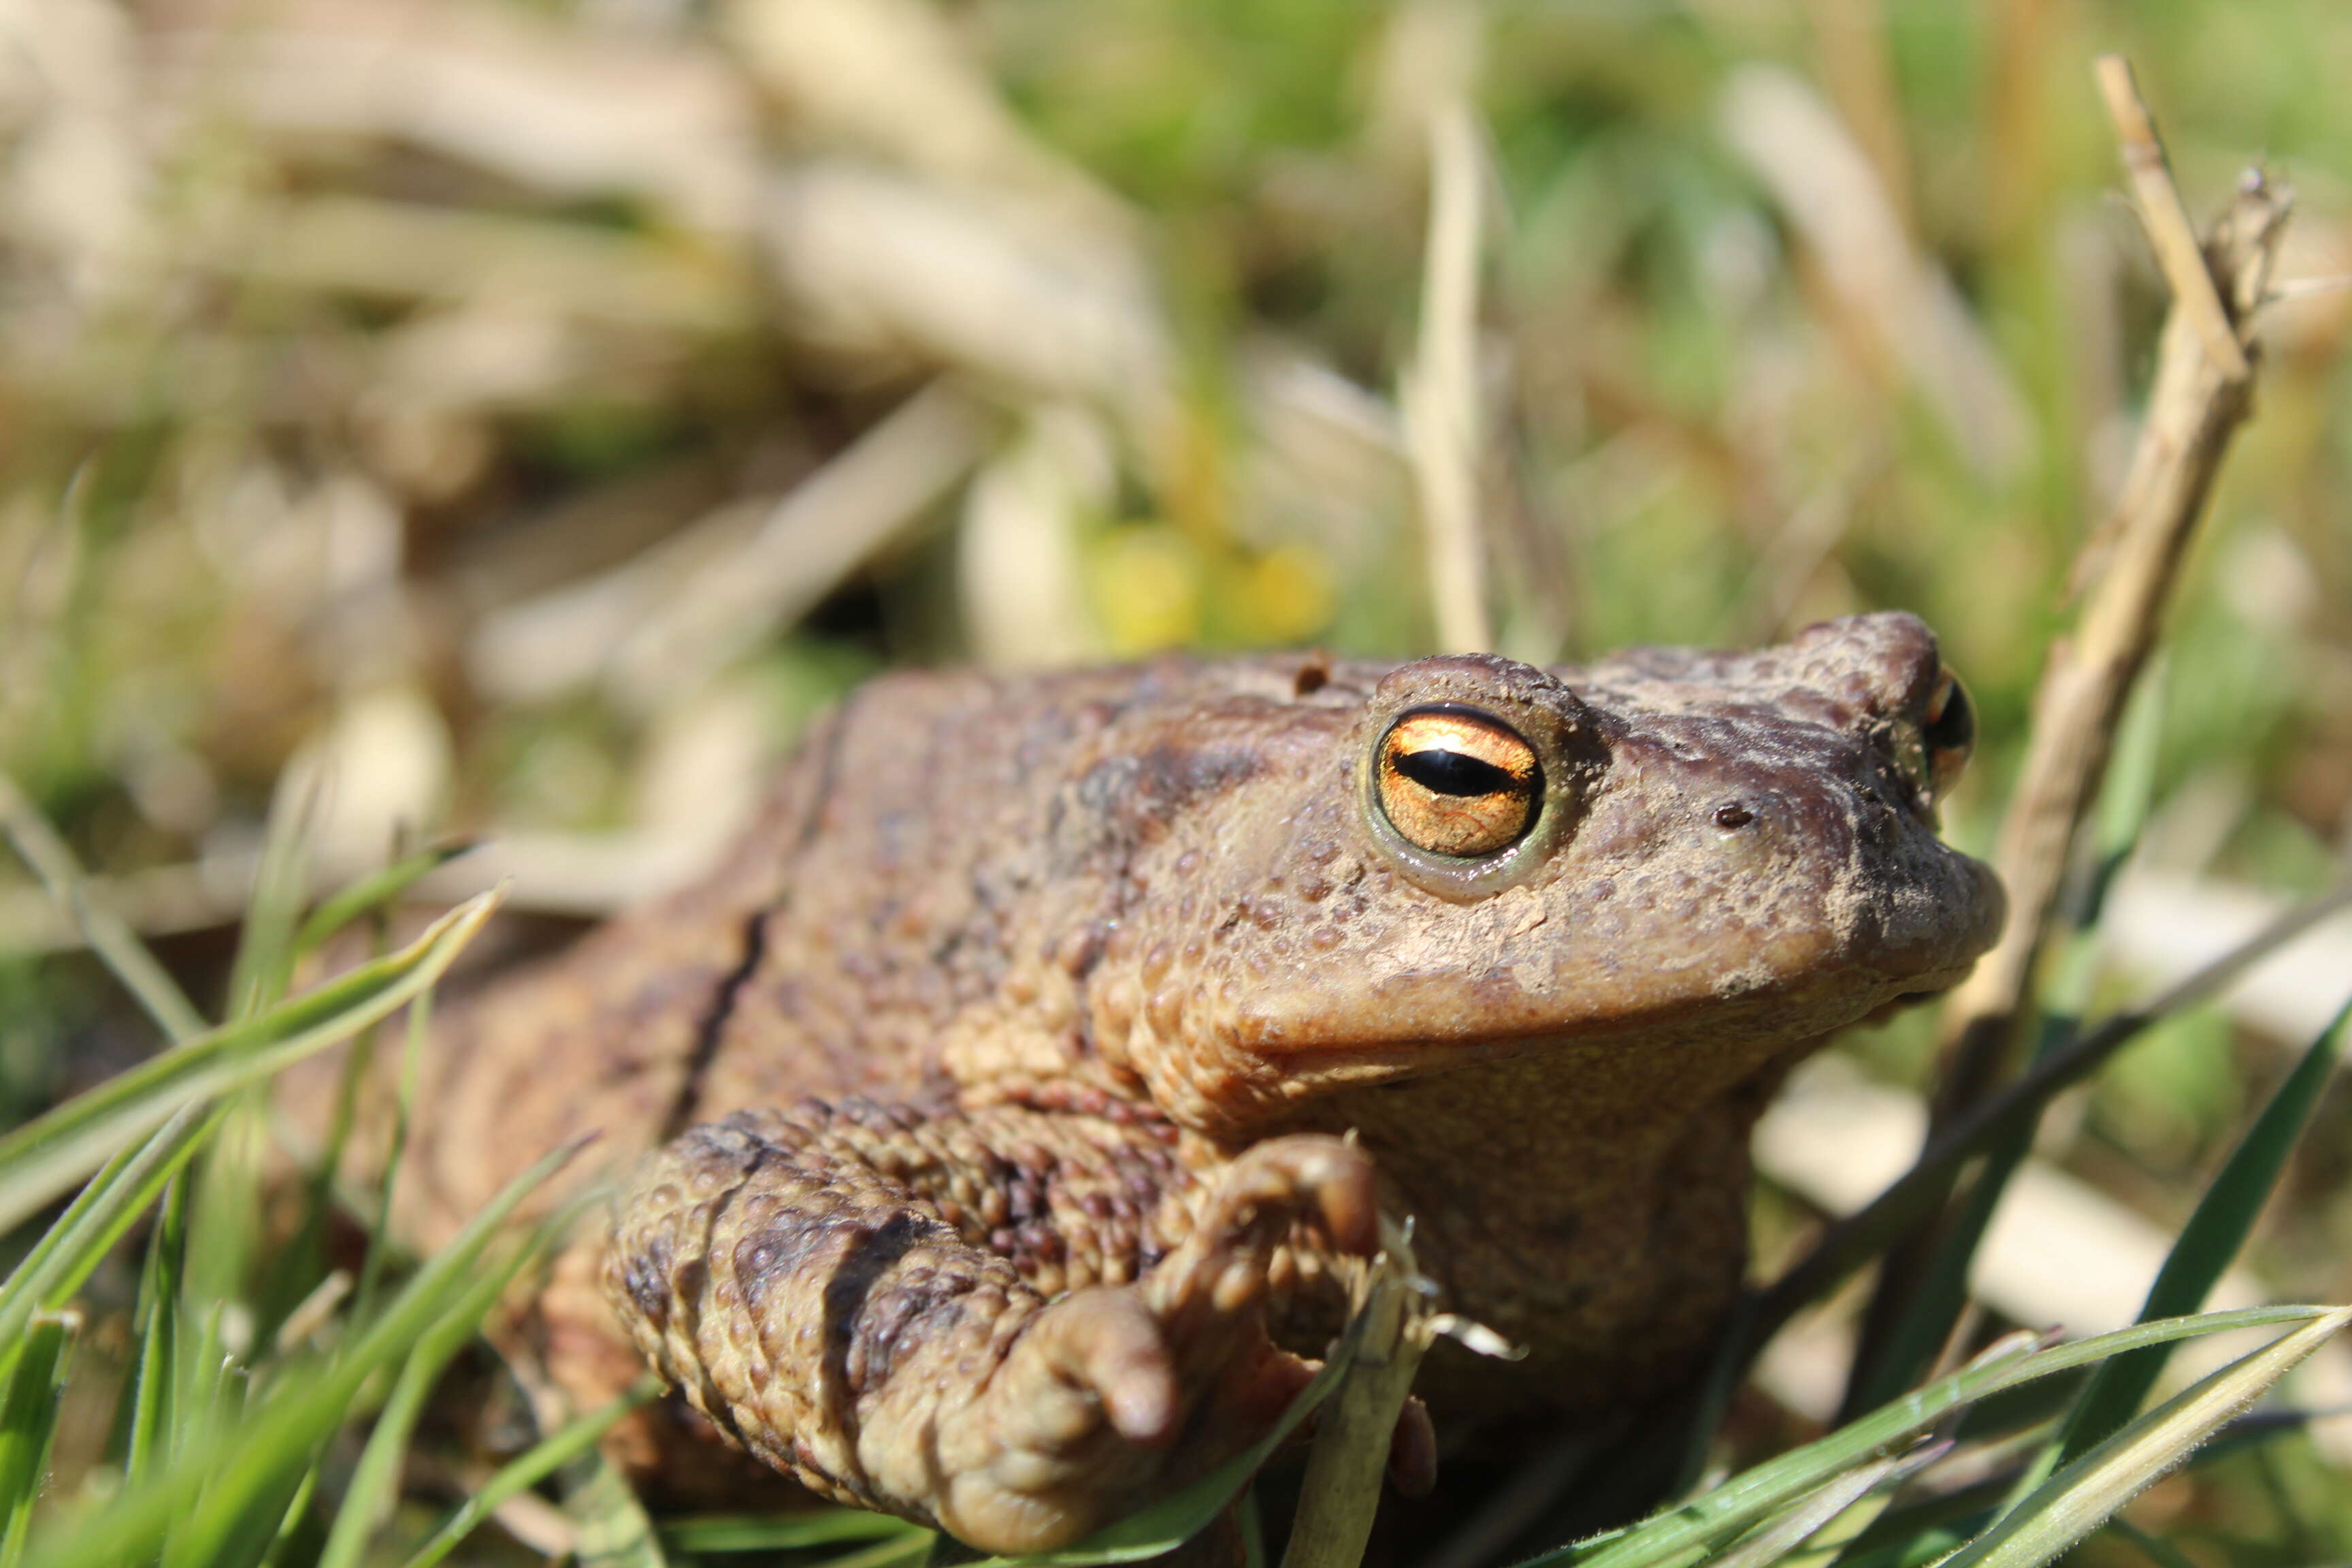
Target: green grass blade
154	1375
294	1269
2208	1243
1793	1526
2157	1550
1910	1349
791	1532
2080	1498
1851	1243
264	955
302	1262
910	1549
529	1468
379	1246
225	1224
291	1430
1925	1295
1930	1545
1921	1294
205	1416
1954	1515
225	1473
614	1531
291	1522
117	945
375	1483
40	1160
100	1215
1746	1499
28	1423
372	892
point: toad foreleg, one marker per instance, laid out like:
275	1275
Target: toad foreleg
902	1311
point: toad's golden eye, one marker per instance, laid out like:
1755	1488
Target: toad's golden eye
1949	734
1457	781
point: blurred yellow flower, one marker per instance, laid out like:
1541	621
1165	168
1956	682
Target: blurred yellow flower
1147	589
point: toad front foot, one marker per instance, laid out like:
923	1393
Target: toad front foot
827	1286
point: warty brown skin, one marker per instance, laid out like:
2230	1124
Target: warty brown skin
1093	971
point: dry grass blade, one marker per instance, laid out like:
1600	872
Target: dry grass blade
511	1483
2169	229
813	539
2079	1499
1441	393
613	1530
1896	301
1344	1469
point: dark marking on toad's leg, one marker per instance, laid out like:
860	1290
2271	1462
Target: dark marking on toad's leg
865	1319
645	1279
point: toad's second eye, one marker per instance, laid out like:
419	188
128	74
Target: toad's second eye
1454	781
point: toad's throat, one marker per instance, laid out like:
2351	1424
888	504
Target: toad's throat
1695	1047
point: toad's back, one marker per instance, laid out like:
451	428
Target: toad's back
933	842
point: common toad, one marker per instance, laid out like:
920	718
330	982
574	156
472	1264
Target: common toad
1133	995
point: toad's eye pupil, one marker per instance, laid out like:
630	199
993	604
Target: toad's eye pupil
1953	724
1458	782
1454	772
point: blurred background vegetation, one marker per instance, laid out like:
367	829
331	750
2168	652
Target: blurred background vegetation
521	416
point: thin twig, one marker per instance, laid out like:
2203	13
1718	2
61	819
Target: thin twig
2132	564
2177	251
1440	391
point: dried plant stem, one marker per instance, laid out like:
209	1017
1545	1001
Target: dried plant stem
2169	229
2198	401
1440	391
1344	1469
2202	393
817	535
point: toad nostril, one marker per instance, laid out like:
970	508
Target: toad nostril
1733	813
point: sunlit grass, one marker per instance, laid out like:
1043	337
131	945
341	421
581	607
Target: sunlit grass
1697	440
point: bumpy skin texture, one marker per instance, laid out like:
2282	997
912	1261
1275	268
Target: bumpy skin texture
1094	970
